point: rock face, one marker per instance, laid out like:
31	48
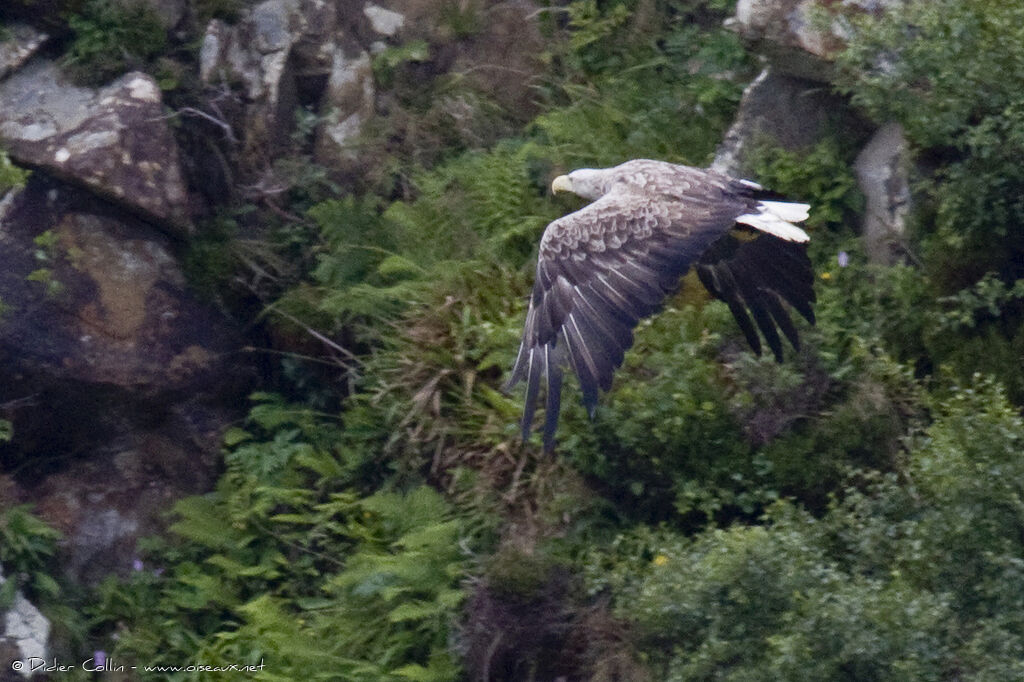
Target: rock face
24	635
268	50
101	339
317	53
882	172
118	382
111	307
349	102
21	43
800	37
782	111
114	140
384	21
786	31
787	106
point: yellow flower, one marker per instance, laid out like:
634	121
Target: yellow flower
660	560
826	275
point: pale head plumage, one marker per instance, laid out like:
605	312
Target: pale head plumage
589	183
606	266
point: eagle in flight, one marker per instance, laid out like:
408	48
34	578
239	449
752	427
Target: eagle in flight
603	268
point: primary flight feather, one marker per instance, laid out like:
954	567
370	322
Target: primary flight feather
603	268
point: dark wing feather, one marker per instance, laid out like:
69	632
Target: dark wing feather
756	275
600	271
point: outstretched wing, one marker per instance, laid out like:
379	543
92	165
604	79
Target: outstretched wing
600	271
757	274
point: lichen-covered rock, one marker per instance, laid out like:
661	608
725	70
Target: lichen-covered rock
19	44
787	107
349	103
800	37
95	296
272	46
117	380
114	140
24	636
120	488
882	169
383	21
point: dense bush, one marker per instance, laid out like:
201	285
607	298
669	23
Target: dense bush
27	548
948	71
291	563
913	575
112	37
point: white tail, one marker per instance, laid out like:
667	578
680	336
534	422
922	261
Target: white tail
776	218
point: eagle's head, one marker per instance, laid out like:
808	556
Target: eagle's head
589	183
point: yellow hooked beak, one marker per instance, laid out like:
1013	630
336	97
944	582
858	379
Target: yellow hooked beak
561	184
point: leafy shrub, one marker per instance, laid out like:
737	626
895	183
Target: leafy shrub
664	438
642	84
27	548
932	67
822	176
10	175
896	581
699	426
288	563
903	312
112	37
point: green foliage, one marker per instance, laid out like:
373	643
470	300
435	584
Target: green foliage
901	309
640	84
287	563
946	71
461	19
651	441
371	265
389	59
594	30
977	203
430	395
112	37
698	426
10	175
228	10
939	67
989	299
210	260
46	253
894	582
27	547
480	204
822	176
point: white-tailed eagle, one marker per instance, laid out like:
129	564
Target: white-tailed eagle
603	268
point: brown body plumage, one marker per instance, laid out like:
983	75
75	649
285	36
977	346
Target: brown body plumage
605	267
